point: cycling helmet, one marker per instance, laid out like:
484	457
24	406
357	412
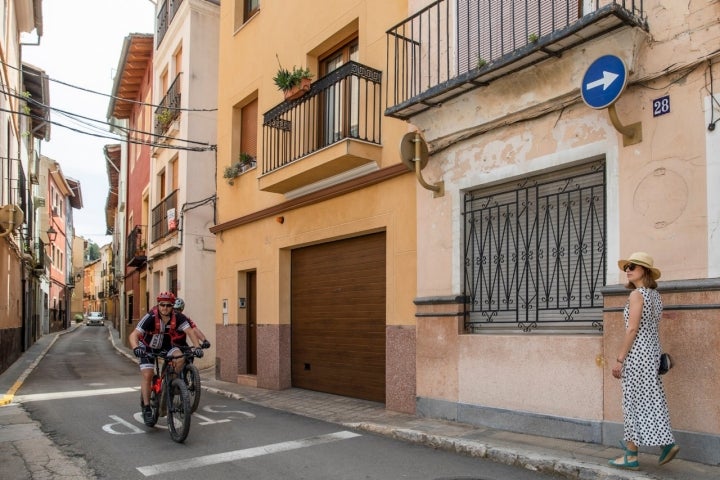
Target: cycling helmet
179	304
166	297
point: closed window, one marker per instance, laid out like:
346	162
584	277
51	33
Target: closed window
535	252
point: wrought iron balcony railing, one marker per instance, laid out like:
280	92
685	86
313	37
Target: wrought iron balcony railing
165	16
345	104
136	247
169	108
453	46
164	217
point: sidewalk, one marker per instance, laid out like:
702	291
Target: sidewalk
566	459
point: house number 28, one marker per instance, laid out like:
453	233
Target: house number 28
661	106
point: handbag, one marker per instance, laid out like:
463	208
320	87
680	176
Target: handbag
666	363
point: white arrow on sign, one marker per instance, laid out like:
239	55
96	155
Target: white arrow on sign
605	81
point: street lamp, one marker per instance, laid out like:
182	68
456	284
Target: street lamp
52	234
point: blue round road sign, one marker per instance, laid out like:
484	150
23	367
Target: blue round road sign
603	82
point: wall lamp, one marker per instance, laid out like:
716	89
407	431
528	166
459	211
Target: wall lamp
52	234
414	154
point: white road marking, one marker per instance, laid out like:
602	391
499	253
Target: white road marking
36	397
207	460
114	429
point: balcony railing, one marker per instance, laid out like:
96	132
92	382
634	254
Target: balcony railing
345	104
136	247
169	108
164	217
453	46
165	16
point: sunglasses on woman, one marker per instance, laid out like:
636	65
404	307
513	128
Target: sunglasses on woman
629	267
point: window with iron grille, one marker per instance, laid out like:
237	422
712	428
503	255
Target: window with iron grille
534	253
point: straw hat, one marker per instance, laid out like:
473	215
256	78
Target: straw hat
642	259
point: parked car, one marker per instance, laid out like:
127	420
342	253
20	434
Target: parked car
95	318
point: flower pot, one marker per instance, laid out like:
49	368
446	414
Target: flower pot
298	90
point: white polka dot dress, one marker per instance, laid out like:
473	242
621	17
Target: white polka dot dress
647	421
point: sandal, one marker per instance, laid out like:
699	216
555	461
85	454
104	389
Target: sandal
627	464
668	453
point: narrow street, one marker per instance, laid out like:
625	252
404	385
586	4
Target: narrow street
85	396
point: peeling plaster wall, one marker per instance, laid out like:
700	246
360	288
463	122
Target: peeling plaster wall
659	198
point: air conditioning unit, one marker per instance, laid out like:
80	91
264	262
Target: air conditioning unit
55	212
11	217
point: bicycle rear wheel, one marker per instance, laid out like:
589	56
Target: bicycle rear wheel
192	380
178	411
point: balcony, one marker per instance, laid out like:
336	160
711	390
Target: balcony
165	17
169	109
164	217
442	52
331	130
136	247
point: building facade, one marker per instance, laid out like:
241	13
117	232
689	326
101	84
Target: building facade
316	246
181	198
22	253
130	105
520	300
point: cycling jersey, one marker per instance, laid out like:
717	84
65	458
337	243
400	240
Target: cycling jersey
159	336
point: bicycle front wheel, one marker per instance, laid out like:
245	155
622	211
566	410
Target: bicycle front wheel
178	411
192	380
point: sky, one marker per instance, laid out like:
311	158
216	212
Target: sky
81	46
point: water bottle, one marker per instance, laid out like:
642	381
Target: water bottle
156	384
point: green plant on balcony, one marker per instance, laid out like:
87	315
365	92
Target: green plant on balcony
294	83
164	116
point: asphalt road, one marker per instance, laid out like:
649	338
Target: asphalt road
85	396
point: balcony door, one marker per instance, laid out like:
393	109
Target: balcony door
340	115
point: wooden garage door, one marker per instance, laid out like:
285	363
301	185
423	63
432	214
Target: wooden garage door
338	317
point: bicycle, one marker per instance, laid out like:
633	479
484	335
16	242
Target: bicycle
191	376
169	394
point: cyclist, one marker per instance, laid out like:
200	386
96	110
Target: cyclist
179	307
160	329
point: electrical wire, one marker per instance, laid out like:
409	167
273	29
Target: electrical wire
42	75
115	138
71	116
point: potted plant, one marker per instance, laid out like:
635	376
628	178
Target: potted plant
246	161
232	171
164	116
294	83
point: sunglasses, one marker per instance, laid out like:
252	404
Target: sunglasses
629	267
165	304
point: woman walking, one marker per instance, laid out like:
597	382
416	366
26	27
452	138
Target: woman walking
645	410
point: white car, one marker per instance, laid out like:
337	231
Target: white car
95	318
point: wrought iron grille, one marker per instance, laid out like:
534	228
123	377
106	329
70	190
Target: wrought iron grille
346	103
535	252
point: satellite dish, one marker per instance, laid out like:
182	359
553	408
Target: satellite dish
408	152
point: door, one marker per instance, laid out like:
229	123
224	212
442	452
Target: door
338	317
251	324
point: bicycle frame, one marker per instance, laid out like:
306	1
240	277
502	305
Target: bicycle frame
169	395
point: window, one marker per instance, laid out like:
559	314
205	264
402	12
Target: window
535	252
340	114
172	279
248	128
245	10
250	8
161	185
489	30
